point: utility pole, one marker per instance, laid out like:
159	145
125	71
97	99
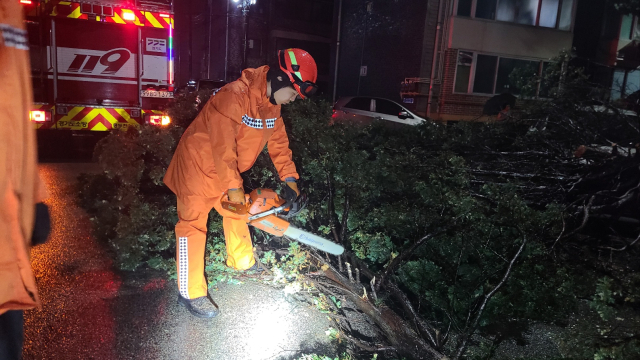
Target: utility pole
244	5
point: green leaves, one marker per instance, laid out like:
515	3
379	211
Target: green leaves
603	298
379	191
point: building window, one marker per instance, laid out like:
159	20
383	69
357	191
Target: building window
549	13
486	9
463	71
566	14
556	14
629	28
517	11
490	74
526	70
625	83
464	8
485	74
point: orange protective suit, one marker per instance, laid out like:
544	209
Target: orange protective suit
223	141
20	186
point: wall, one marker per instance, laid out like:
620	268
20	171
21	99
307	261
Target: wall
208	48
507	38
388	38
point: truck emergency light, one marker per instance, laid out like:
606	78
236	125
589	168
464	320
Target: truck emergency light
38	115
26	2
128	15
159	120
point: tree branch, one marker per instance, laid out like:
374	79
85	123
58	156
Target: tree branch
462	344
343	225
584	219
624	247
404	254
427	331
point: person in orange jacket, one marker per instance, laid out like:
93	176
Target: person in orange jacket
20	187
223	141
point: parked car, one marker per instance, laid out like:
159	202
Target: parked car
364	110
197	85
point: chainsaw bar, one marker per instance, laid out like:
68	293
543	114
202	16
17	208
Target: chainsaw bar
313	240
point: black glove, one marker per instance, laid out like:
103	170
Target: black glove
42	225
297	205
296	199
290	194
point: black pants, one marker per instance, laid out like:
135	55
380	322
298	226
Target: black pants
11	335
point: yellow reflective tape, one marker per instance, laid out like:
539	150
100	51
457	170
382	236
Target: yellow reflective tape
97	18
117	19
169	21
72	113
107	115
153	20
292	56
99	127
89	117
131	121
54	12
75	13
92	114
66	121
125	115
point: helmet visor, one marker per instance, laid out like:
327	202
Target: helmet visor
304	88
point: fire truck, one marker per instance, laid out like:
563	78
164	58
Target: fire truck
100	65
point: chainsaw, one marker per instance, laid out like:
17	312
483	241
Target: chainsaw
265	210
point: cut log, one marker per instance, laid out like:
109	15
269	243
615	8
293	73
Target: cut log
397	331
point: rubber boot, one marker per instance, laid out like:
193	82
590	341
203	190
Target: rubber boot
201	307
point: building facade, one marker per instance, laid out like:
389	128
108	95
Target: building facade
452	55
487	40
210	35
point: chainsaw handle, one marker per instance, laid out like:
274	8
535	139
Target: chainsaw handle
279	209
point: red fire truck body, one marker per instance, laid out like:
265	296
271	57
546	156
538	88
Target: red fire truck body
100	65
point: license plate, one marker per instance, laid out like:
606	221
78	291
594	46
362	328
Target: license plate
156	94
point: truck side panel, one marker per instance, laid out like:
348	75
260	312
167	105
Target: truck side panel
96	63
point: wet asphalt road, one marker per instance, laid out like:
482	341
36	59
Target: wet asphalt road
91	311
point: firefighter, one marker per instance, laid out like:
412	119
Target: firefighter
223	141
20	187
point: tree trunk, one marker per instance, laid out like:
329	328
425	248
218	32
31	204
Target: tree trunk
406	342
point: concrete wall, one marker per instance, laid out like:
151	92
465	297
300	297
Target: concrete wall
507	39
210	41
388	37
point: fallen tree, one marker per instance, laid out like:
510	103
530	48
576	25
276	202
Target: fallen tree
457	237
